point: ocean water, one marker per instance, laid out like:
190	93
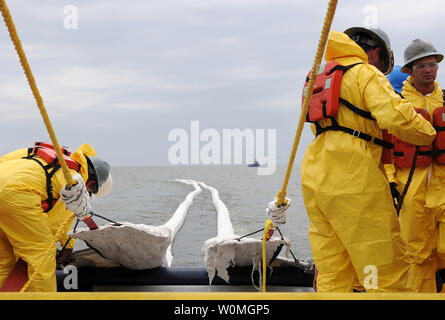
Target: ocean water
150	195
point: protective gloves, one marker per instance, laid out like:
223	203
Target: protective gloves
395	193
277	214
76	198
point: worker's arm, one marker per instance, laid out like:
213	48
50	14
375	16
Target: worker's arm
395	114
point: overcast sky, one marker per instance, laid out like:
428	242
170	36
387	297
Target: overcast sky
135	70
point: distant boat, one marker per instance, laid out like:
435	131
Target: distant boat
254	164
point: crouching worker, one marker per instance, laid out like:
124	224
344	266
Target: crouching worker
31	208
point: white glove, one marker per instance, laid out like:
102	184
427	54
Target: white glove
277	214
76	198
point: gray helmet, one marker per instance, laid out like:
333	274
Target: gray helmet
377	38
99	170
418	49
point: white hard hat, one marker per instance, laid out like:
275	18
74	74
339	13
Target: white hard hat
377	38
99	170
418	49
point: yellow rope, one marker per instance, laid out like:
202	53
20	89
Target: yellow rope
267	227
281	195
35	91
49	254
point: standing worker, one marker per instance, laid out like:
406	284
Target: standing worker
353	227
424	198
31	210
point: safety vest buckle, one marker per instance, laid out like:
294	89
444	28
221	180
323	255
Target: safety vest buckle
356	133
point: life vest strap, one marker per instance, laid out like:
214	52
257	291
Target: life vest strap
364	114
354	133
429	153
339	67
357	110
344	68
49	186
400	94
51	168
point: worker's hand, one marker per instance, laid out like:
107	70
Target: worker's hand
277	213
76	198
63	256
395	193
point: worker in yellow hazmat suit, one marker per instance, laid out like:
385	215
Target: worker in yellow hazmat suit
26	230
424	200
353	227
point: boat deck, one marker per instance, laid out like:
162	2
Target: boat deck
95	273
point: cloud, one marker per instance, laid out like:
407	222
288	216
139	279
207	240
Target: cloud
139	69
75	89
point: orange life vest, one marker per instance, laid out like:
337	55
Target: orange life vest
404	151
46	152
326	93
325	102
387	153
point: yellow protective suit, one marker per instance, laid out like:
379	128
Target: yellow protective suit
421	204
353	227
25	230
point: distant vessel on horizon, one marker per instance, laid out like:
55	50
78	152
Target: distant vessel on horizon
254	164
